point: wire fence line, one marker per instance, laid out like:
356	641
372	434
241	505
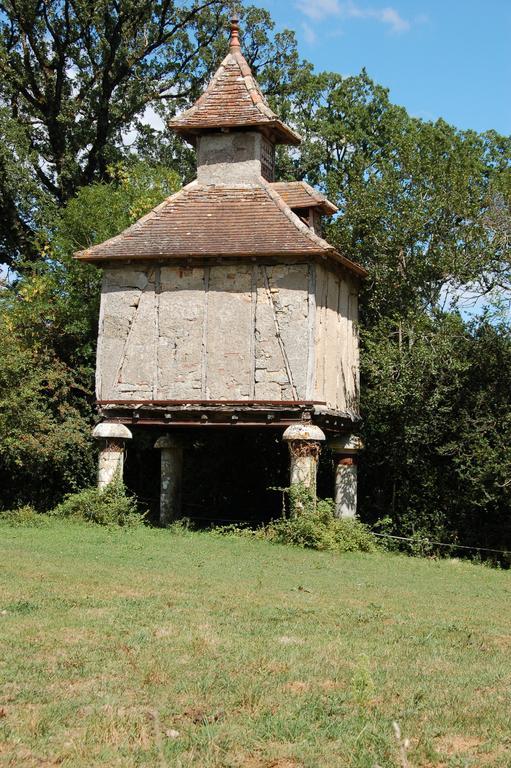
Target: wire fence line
413	540
440	543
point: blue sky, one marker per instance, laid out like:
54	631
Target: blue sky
449	58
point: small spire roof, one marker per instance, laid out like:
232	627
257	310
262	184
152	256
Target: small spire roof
233	99
234	42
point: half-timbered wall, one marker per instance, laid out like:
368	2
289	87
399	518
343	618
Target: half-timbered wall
336	341
230	332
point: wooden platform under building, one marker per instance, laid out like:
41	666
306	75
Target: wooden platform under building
178	413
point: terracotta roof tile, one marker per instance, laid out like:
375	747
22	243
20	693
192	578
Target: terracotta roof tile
207	221
298	194
232	99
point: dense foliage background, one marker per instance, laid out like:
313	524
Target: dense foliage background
424	206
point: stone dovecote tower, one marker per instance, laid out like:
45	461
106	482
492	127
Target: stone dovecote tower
225	306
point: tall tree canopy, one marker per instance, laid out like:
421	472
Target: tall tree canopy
76	77
48	337
423	205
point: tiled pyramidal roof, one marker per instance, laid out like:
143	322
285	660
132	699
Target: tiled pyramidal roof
220	220
233	99
229	222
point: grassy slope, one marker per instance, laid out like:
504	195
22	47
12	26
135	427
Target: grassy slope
149	648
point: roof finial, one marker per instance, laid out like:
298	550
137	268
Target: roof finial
235	31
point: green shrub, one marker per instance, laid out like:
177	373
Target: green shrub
311	524
110	506
338	535
316	527
238	531
23	517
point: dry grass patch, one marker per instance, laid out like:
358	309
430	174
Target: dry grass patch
459	745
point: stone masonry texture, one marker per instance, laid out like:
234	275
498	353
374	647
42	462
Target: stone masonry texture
227	332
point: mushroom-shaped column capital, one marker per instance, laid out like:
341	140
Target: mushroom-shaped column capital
304	441
169	442
346	444
305	432
111	430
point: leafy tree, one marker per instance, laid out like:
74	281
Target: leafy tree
23	203
414	196
48	331
438	430
425	207
76	79
75	76
44	423
495	281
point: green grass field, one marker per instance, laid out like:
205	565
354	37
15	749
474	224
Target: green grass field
153	648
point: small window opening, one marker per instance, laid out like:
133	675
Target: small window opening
311	217
268	161
303	214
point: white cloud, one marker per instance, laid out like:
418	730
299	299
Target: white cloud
318	10
309	34
388	16
391	17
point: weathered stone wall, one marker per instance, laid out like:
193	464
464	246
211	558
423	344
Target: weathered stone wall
229	158
233	332
336	341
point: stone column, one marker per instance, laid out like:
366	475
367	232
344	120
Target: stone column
304	441
112	438
171	478
345	449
